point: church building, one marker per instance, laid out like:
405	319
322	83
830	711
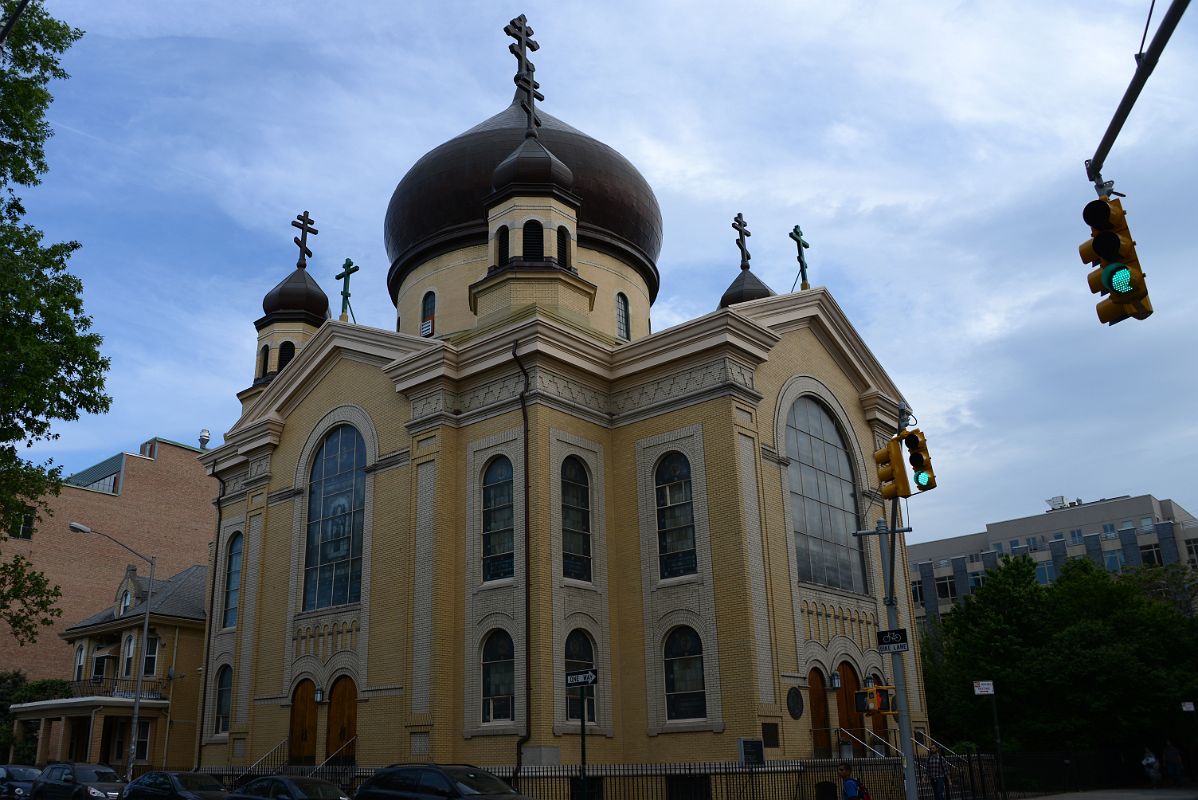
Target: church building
422	531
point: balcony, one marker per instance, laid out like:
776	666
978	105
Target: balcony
151	688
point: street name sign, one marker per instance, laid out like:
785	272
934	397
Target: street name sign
583	677
983	687
893	641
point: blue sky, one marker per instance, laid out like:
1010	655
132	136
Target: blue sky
932	152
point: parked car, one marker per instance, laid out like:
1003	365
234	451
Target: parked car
70	781
16	780
174	785
284	787
429	781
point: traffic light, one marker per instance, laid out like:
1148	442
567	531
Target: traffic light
921	463
886	702
1119	274
866	700
892	475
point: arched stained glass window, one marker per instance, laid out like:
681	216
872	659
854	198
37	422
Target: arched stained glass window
232	580
675	517
428	314
686	695
499	677
224	698
623	323
580	655
336	506
576	520
498	520
823	499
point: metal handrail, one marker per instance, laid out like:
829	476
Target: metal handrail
884	741
848	733
272	752
332	756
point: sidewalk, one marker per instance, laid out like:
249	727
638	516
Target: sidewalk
1184	793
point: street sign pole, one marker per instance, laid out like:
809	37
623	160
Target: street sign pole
582	739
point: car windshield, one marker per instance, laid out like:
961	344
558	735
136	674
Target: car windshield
22	773
91	775
477	781
197	782
318	789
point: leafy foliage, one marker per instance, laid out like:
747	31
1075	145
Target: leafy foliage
50	366
1092	661
14	688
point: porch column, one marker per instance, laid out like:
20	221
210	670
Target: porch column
43	742
64	731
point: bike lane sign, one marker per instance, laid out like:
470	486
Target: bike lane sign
893	641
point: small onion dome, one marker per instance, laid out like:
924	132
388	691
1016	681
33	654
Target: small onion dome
746	287
297	297
531	164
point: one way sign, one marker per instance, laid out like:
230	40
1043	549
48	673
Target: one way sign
583	677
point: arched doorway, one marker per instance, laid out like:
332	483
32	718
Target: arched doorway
817	703
301	737
851	720
340	743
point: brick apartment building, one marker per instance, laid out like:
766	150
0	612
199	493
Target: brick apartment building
157	501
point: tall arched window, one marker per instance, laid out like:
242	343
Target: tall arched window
224	698
534	241
576	520
580	655
823	499
686	696
127	668
501	246
428	314
563	247
675	517
232	580
336	504
263	360
499	677
80	654
498	520
286	353
623	323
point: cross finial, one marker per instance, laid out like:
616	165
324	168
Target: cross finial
738	224
304	223
801	243
527	85
347	269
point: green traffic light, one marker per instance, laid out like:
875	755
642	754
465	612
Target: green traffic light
1117	278
923	478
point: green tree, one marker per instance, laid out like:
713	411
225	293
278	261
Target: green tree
15	688
50	365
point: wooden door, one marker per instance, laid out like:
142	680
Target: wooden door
817	702
343	721
850	718
301	739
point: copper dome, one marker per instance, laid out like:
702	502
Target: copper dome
440	205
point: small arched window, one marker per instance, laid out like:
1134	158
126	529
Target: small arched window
675	517
686	697
498	521
224	698
263	360
336	504
232	581
428	314
623	323
563	247
534	241
580	655
126	601
576	520
80	654
127	668
501	245
499	677
286	353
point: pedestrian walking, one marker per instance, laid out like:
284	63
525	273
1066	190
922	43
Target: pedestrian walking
1152	767
850	786
938	772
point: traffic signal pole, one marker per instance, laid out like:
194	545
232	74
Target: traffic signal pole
1145	64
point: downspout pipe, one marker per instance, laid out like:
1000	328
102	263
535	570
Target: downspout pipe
208	627
524	738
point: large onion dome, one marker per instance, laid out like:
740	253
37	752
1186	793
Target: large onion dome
440	205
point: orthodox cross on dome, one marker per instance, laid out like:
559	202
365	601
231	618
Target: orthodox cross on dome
801	243
520	30
738	224
347	269
304	223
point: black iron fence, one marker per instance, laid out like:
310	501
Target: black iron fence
151	688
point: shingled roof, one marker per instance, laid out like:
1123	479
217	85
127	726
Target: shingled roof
181	596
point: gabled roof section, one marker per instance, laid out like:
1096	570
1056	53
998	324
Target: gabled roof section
181	596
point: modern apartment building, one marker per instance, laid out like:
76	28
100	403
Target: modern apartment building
1113	532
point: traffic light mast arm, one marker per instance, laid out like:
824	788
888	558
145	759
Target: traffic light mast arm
1144	68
